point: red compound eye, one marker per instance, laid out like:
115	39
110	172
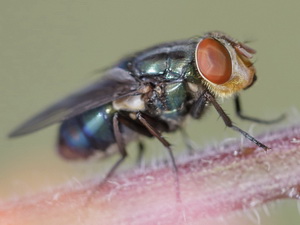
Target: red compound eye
213	61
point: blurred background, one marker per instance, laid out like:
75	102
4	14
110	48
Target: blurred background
49	49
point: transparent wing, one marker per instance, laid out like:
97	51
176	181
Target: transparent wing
117	83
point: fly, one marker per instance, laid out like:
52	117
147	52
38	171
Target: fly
151	92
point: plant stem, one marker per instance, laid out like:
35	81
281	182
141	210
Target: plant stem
213	184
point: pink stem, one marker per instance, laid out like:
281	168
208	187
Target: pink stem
213	183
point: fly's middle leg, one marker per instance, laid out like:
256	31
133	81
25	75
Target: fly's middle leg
167	145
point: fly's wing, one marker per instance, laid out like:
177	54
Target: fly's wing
117	83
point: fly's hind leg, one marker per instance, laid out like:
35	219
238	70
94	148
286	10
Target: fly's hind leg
121	147
122	150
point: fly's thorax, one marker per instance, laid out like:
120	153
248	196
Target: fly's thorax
165	62
167	102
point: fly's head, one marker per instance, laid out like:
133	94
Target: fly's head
224	64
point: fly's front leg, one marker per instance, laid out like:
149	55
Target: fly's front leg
238	110
196	112
229	123
199	105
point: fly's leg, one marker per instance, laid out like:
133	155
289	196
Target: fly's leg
187	141
198	107
229	123
196	112
238	110
141	152
122	150
121	147
167	145
138	128
158	135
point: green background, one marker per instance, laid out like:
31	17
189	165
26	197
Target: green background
50	48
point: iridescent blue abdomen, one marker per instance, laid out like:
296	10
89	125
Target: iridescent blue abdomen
80	136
